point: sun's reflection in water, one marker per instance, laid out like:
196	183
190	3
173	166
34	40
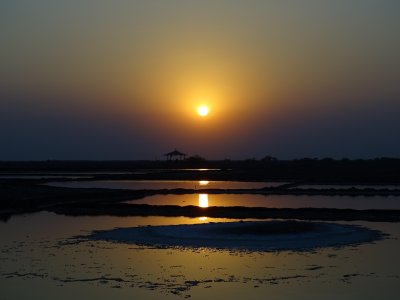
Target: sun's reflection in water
203	200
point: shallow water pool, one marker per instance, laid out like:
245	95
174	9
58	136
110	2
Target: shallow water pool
273	201
39	260
164	184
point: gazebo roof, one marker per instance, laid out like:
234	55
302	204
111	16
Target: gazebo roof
175	153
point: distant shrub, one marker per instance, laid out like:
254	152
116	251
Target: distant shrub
250	160
269	158
195	158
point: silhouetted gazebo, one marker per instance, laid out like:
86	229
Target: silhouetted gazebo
177	155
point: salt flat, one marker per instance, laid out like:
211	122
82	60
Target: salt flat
250	236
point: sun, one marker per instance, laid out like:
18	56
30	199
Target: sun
202	110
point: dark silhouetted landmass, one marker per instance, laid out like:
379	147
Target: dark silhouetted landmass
238	212
315	170
30	195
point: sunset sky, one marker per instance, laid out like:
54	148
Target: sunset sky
123	79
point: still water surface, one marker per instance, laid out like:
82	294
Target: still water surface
164	184
273	201
40	261
342	186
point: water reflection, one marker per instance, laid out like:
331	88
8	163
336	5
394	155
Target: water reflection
273	201
163	184
35	265
203	200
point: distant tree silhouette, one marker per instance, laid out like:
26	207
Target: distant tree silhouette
269	158
195	158
251	160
